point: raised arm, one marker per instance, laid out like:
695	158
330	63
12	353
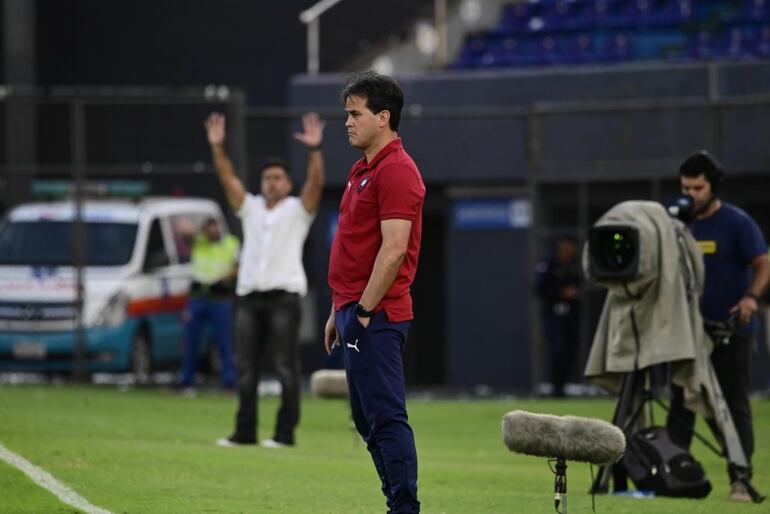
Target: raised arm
234	190
312	137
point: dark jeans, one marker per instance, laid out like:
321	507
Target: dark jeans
219	313
262	320
375	372
562	334
732	364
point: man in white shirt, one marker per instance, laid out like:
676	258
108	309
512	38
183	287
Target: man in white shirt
271	277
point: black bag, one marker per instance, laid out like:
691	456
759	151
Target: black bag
656	464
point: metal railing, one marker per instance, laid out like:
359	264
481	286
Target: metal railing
312	18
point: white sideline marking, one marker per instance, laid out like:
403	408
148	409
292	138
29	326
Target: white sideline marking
45	480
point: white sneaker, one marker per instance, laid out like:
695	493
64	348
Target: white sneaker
739	493
226	442
272	443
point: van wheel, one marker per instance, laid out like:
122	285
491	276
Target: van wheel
141	357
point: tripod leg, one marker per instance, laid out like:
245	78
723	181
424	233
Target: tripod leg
724	422
601	484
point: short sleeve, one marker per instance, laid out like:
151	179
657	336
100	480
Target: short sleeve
751	241
306	218
400	192
247	206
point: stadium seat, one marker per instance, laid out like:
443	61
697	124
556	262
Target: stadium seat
581	49
675	12
761	44
735	44
701	46
756	10
521	18
618	47
548	32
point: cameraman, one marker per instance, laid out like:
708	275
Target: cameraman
733	248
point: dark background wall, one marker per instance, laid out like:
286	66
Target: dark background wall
252	44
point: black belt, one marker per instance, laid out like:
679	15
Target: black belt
271	293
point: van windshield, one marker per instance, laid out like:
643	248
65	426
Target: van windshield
50	243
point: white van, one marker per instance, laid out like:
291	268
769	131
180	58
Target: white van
136	277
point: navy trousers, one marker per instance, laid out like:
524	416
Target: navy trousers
375	372
218	312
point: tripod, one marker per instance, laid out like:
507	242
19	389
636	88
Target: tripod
636	395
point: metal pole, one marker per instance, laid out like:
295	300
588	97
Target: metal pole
442	43
18	31
534	158
584	311
77	140
314	46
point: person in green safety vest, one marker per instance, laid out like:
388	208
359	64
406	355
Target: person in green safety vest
214	261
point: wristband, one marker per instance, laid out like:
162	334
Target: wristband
314	148
749	294
362	312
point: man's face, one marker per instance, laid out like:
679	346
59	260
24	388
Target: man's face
363	125
698	188
566	251
212	231
275	184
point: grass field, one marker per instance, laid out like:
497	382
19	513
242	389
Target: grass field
147	451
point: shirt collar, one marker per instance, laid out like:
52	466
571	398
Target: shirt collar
390	147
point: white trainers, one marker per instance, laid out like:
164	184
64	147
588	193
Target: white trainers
272	443
739	492
226	442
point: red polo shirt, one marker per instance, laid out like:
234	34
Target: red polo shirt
389	187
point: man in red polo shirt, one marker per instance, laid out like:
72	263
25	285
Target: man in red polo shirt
372	265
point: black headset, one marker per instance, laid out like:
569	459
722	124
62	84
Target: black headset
703	163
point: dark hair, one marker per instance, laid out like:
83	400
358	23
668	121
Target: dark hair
703	163
277	162
381	93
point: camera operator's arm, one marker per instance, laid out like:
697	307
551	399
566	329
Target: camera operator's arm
749	303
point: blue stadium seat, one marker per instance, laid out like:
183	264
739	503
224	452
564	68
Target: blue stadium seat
522	17
701	46
756	10
761	44
581	48
548	32
675	12
548	51
617	47
604	13
566	15
636	13
736	44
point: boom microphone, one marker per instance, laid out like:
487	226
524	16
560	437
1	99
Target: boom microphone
567	437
